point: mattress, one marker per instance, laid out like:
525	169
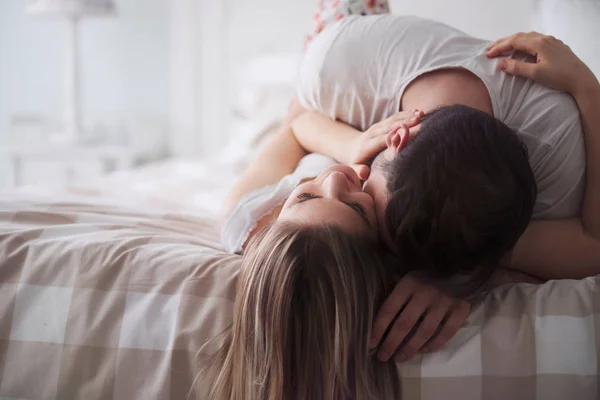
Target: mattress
110	290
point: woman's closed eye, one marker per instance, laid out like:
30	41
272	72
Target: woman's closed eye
307	196
357	207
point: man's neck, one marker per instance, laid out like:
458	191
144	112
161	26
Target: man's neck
447	87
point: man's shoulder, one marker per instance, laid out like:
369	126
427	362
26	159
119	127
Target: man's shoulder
546	114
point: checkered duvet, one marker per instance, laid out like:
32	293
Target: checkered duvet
103	301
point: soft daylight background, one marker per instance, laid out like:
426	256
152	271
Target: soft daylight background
197	78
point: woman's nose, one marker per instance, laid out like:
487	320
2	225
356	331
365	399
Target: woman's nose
335	185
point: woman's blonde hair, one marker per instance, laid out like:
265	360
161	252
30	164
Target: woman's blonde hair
302	318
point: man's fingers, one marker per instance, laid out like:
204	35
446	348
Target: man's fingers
426	330
390	308
455	320
405	322
517	68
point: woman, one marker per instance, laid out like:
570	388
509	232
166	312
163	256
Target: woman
279	183
305	301
284	184
262	358
312	278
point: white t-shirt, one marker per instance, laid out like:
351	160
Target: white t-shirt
256	205
357	70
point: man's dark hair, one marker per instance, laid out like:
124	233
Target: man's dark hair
461	194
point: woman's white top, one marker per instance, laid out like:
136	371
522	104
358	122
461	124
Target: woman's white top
256	205
357	69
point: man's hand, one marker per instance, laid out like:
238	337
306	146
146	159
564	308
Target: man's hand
394	131
437	315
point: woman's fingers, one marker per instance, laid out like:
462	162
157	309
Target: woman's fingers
529	42
518	41
499	47
410	118
373	146
494	43
518	68
363	171
392	132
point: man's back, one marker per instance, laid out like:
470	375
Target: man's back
364	69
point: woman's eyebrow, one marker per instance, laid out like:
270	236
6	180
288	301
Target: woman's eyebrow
304	197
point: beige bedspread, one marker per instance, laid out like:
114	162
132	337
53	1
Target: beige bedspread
110	296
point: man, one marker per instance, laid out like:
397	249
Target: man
362	70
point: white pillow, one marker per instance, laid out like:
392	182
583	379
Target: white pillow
264	84
575	22
261	91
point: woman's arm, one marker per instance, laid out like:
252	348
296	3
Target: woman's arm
317	133
570	248
563	248
278	158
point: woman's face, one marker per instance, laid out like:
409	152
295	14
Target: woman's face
335	197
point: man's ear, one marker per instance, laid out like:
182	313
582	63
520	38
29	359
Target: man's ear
399	138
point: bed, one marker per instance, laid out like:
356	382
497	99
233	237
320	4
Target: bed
109	290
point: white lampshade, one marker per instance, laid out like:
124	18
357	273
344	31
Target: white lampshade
73	8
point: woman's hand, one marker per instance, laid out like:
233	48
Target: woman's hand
422	319
394	131
556	65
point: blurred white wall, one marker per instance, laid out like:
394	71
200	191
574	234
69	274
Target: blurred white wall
280	25
181	59
125	60
220	38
